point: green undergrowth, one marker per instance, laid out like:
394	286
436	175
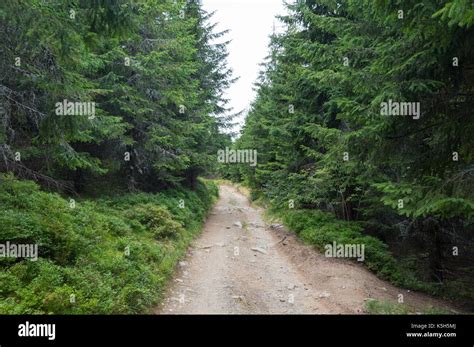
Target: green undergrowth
101	256
387	307
320	228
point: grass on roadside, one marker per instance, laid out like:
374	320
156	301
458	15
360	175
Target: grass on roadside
321	228
387	307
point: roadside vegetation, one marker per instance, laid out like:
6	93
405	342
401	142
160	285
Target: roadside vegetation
103	256
387	307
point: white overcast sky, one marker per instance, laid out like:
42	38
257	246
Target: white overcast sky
250	23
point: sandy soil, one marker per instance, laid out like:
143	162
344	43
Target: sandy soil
240	265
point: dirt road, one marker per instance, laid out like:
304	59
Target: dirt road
240	265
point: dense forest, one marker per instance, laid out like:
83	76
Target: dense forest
340	156
113	112
149	68
114	100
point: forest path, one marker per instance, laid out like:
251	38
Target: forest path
239	265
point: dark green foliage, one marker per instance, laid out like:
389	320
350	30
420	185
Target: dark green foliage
150	67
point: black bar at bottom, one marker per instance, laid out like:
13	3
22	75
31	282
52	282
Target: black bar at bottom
438	330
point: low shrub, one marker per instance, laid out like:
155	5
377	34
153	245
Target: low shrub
320	228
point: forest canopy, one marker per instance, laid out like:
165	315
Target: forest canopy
129	92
